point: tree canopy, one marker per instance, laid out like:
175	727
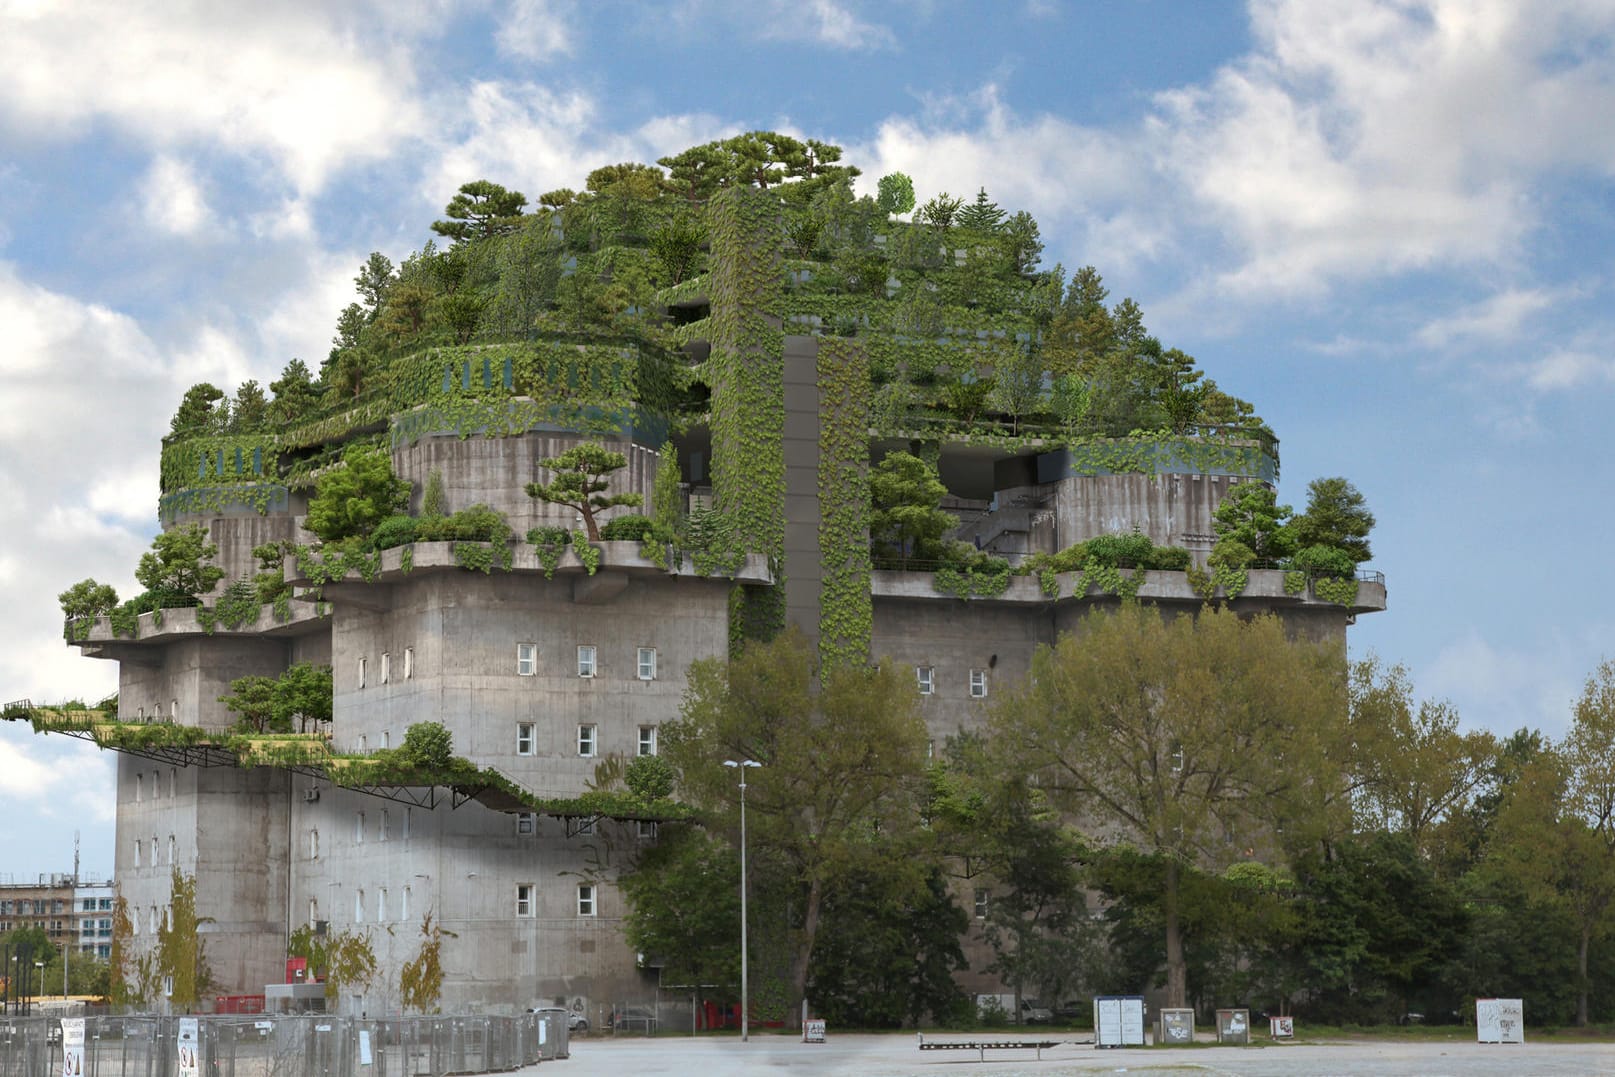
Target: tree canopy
581	482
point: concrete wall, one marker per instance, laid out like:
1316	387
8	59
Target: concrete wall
464	628
190	674
1170	509
496	471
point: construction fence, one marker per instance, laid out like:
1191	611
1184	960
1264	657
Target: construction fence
281	1046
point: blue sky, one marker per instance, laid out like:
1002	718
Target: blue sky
1388	225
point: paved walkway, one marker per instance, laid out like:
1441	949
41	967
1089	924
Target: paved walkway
899	1056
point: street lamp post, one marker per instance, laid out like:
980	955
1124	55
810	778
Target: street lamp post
745	1001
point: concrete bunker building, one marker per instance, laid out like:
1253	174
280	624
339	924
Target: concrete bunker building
540	671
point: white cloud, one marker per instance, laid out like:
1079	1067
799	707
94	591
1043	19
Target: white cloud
172	199
1566	369
288	81
1498	317
832	23
536	139
1504	689
1364	138
537	29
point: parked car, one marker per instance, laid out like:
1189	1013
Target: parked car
1034	1012
575	1022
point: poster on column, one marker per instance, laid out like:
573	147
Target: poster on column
188	1062
72	1047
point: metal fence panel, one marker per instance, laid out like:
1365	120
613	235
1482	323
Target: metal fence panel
265	1045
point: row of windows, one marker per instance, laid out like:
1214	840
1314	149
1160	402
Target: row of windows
386	671
588	739
138	847
27	907
588	664
926	676
527	823
157	711
92	927
527	899
155	785
96	905
155	917
385	829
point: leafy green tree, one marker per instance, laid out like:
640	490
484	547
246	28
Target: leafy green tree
428	745
1023	242
181	951
983	214
350	500
676	246
295	394
420	981
1251	515
249	414
1378	928
1556	833
667	494
906	520
302	697
480	210
841	775
1163	734
1337	516
1018	383
253	698
120	966
87	598
896	193
434	500
684	905
202	411
529	274
350	327
177	564
376	278
940	211
888	951
581	482
461	313
1418	771
700	171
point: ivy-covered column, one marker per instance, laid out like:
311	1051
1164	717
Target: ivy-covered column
746	371
846	610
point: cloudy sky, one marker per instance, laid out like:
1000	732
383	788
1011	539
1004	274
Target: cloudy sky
1389	225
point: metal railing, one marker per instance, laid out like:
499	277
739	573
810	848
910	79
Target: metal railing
267	1045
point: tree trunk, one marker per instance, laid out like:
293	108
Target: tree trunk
810	932
1581	978
1177	970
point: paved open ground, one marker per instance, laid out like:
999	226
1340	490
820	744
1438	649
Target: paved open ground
894	1055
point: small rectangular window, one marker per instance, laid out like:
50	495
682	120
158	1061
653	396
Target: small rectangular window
526	822
409	662
981	904
361	672
647	740
978	684
586	741
926	675
585	899
140	788
647	830
403	905
524	899
525	738
358	906
403	831
381	829
137	852
386	667
526	659
647	663
381	906
313	844
358	828
586	662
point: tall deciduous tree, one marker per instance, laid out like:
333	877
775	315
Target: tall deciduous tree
420	981
1418	770
581	483
838	790
87	598
1557	830
1177	736
181	951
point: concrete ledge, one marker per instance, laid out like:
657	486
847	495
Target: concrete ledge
1263	585
101	642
